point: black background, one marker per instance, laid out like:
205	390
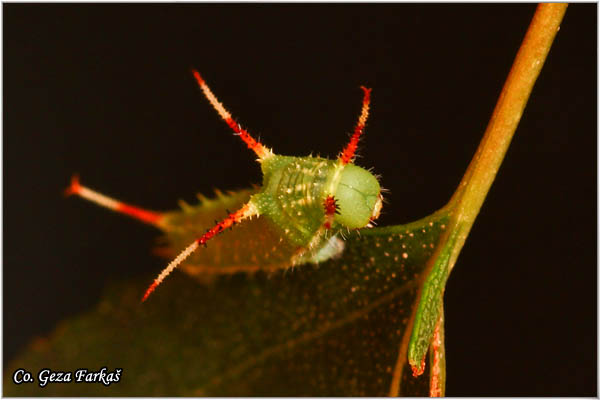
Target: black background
106	91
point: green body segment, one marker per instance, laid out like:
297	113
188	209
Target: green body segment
293	192
295	188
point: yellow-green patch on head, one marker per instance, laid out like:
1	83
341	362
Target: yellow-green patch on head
358	196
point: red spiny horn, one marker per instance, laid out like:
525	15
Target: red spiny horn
147	216
260	150
245	212
350	150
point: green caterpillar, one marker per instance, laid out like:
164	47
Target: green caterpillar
303	204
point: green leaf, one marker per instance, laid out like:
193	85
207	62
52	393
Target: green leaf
340	328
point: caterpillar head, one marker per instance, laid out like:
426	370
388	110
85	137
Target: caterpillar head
358	196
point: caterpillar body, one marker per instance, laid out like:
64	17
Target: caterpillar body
295	217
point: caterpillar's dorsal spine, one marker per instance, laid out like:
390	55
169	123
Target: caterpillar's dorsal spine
261	151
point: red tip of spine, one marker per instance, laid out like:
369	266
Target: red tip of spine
198	77
367	95
75	187
149	291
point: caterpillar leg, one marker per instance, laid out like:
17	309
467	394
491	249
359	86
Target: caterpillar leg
350	150
261	151
246	211
146	216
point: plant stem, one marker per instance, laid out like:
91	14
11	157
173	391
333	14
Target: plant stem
468	198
